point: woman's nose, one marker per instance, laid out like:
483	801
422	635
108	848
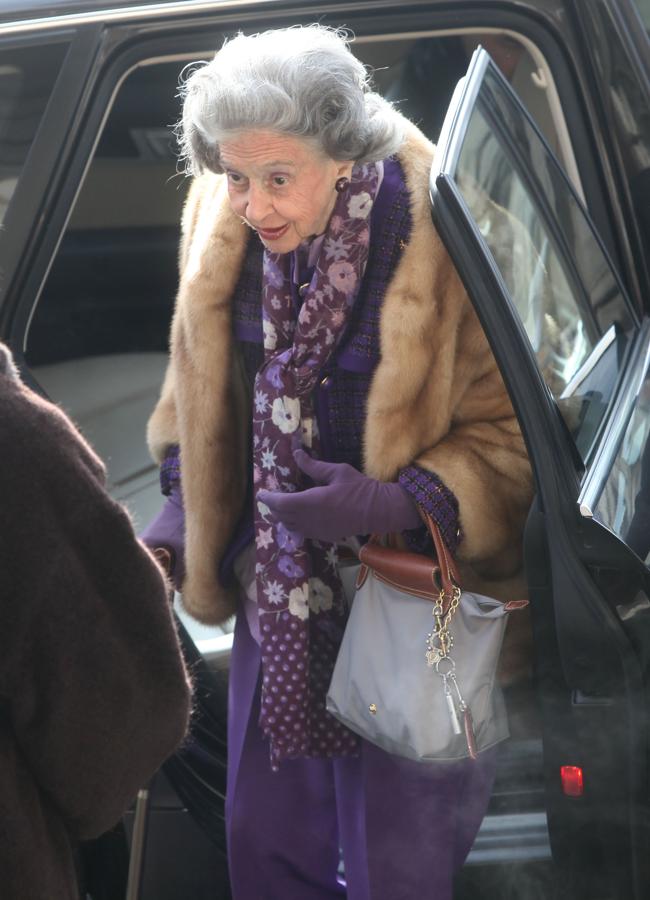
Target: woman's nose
258	204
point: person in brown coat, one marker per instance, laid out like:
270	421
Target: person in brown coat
93	690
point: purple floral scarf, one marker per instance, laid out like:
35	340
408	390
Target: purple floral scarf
301	606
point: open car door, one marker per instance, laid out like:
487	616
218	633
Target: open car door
574	355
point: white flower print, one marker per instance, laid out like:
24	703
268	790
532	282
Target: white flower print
261	401
335	248
263	510
285	413
264	538
298	599
320	595
268	459
270	335
275	592
332	556
359	207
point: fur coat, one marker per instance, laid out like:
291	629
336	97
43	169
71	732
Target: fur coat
93	691
436	399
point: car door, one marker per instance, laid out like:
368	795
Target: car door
617	54
43	75
574	355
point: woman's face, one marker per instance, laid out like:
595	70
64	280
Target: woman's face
282	185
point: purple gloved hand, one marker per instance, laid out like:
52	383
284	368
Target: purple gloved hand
344	504
167	530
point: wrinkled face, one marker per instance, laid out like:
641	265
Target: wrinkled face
282	185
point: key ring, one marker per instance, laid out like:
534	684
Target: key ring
450	670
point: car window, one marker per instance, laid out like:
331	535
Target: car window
625	95
643	7
98	338
27	76
554	268
624	505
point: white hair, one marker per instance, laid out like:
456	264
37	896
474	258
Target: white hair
301	81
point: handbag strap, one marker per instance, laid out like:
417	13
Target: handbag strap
449	576
414	573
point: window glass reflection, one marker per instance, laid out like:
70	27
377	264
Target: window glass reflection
27	76
624	505
556	272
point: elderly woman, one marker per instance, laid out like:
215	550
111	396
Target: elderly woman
328	376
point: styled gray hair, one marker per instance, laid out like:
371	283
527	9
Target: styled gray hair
301	81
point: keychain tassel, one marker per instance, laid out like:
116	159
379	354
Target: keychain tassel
470	737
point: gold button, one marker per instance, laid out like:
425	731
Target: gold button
372	709
325	382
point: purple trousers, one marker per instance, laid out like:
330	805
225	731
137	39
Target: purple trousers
403	828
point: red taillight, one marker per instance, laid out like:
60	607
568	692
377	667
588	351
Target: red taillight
572	781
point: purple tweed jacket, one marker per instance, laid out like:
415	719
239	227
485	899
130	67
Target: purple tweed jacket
342	391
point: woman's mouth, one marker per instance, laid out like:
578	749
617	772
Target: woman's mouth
272	234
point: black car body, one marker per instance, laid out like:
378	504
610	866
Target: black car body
91	204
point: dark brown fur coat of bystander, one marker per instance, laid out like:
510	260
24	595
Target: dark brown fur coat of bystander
93	691
437	397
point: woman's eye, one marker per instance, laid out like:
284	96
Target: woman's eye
279	180
236	179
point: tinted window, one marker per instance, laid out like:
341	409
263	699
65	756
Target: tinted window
624	505
98	338
625	96
554	268
643	7
27	76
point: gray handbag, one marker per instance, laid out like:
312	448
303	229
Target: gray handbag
416	670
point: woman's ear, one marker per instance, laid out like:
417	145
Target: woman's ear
345	169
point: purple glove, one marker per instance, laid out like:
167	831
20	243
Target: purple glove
167	530
345	503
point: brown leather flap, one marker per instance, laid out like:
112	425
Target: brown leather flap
412	572
407	571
